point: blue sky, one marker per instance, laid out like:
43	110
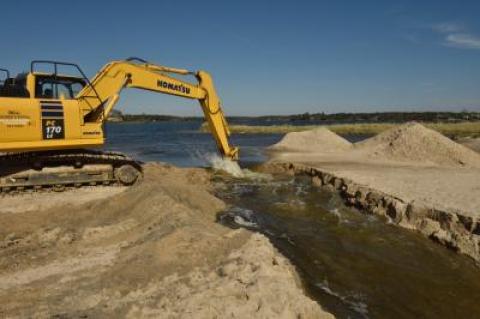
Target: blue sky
268	57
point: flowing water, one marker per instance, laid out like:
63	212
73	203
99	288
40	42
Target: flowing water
354	265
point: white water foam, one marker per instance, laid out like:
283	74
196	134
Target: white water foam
335	212
232	168
243	217
225	164
242	222
352	301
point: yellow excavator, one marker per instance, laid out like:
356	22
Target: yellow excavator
50	121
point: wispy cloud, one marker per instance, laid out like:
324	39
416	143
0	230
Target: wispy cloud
463	40
448	27
457	36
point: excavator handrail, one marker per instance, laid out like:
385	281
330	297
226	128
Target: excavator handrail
134	58
159	68
6	72
55	66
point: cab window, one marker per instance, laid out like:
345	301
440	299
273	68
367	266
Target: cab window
15	87
57	88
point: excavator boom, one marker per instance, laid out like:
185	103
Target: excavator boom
101	96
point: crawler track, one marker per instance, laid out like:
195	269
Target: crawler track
59	170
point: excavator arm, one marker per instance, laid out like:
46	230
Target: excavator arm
99	97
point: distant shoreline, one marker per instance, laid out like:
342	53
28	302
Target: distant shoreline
317	118
452	124
452	130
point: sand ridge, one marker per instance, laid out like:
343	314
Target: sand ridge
151	251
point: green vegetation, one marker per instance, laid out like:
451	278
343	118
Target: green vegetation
456	129
154	118
453	124
462	129
377	117
318	118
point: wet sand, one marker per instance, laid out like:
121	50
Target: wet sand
150	251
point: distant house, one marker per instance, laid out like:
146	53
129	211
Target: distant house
115	116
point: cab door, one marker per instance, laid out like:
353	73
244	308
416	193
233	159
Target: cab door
58	109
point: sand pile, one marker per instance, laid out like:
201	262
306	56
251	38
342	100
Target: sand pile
317	140
414	142
153	250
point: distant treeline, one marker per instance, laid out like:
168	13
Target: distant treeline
155	118
316	118
378	117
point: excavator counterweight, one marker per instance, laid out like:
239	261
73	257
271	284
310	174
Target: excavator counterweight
48	119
